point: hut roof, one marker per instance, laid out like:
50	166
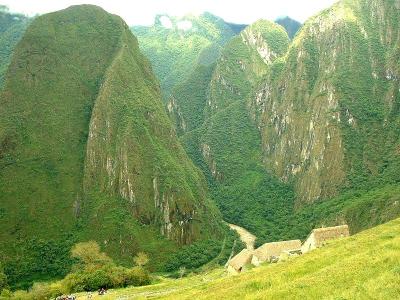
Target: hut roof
328	233
241	259
276	248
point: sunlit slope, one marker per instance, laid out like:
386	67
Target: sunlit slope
364	266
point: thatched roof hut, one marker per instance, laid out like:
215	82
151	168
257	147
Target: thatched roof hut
238	262
275	249
319	236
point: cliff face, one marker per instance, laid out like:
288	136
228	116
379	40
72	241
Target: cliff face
227	128
133	153
86	146
328	112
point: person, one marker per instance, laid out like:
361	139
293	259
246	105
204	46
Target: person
102	291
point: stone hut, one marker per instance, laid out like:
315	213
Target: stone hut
271	251
319	236
239	261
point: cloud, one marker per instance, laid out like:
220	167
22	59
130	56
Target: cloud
143	12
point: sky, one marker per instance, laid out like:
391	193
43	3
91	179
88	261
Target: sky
142	12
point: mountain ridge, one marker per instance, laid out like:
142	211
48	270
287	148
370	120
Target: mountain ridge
89	152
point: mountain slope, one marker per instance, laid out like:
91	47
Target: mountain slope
12	27
362	266
225	141
87	151
175	45
359	267
319	132
329	112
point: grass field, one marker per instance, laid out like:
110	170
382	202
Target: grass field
363	266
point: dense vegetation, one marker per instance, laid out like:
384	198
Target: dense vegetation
329	122
288	136
360	209
227	145
12	27
211	252
174	47
341	166
91	271
86	148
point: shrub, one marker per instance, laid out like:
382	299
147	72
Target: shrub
137	276
107	277
89	254
46	290
21	295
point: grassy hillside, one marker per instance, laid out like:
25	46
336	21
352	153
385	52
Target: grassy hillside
363	266
88	152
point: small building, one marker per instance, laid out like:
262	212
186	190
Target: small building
272	251
239	261
318	237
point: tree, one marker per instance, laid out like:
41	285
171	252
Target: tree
182	271
141	259
89	254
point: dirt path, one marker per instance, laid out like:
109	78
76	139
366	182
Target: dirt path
245	236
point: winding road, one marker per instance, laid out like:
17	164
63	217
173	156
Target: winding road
245	236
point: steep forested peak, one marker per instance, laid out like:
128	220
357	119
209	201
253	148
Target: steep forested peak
175	45
292	26
85	140
269	34
332	98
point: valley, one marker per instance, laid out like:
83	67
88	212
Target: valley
141	158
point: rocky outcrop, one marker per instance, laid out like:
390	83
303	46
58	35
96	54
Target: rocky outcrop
323	109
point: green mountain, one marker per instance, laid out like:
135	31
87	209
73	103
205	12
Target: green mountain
12	27
88	152
328	112
306	137
175	45
292	26
212	113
